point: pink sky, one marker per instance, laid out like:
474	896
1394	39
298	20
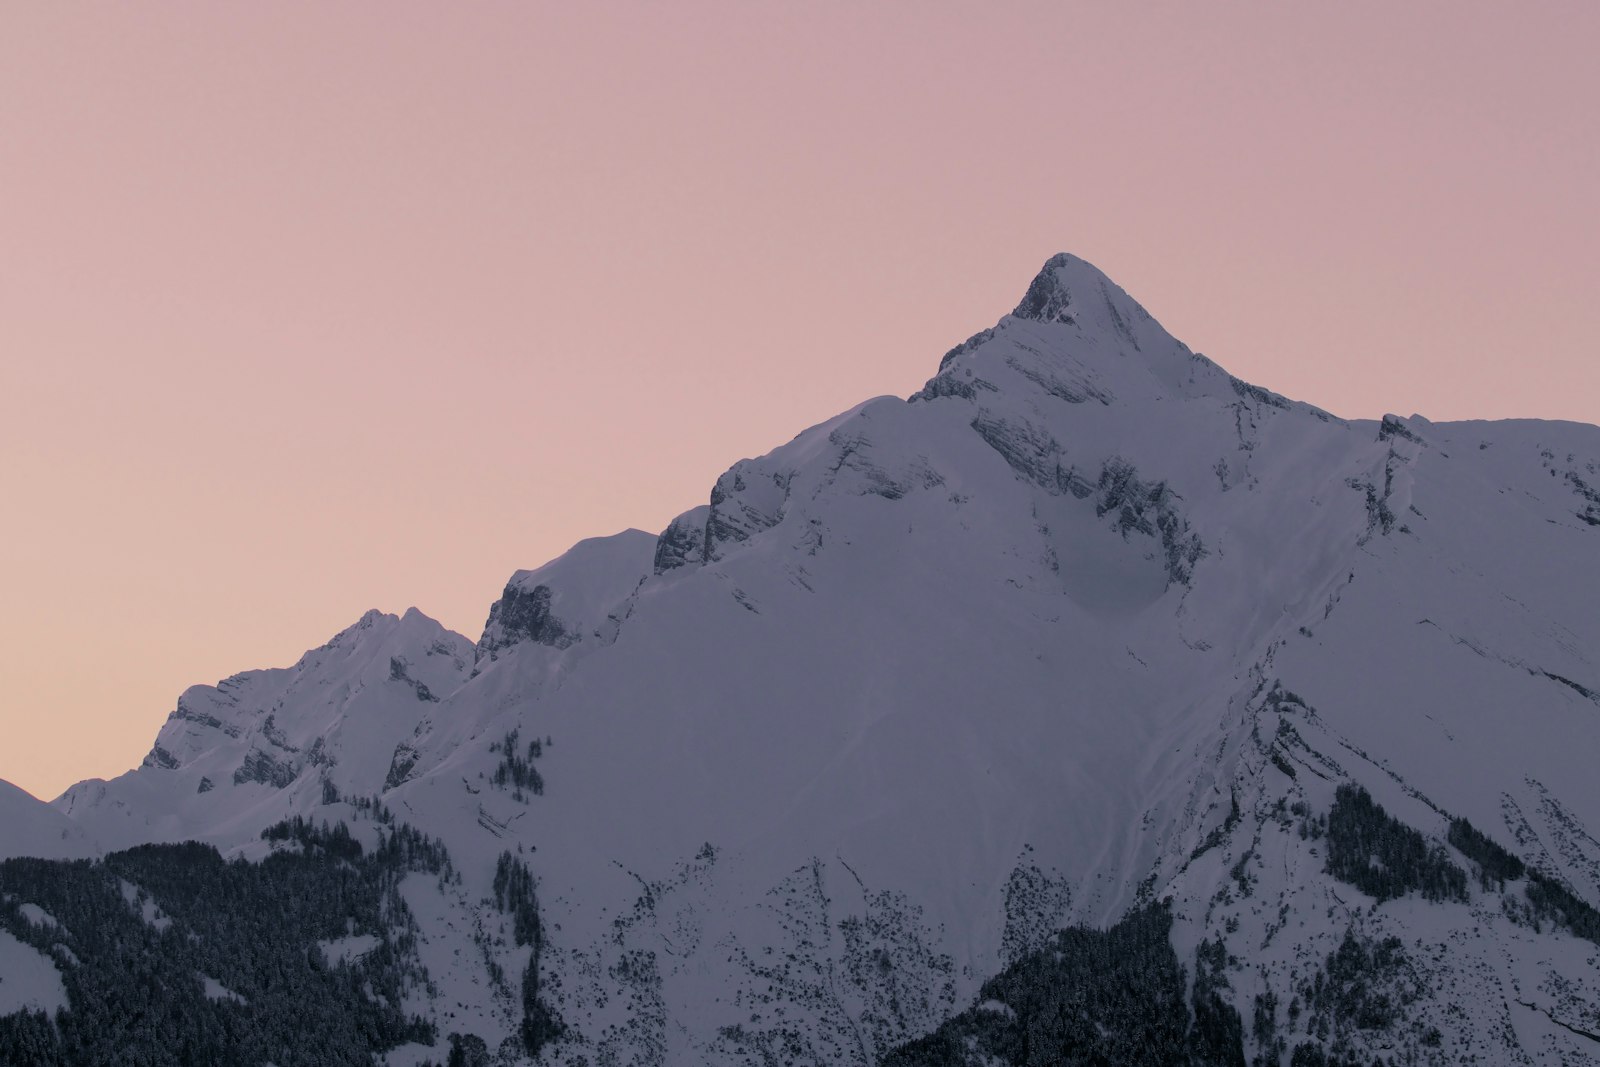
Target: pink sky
311	309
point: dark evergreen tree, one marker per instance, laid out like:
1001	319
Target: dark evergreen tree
1382	856
1092	997
1551	899
516	895
1495	864
516	767
135	989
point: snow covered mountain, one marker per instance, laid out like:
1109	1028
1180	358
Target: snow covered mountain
1083	626
237	755
29	827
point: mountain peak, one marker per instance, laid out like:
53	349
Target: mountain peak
1076	334
1074	292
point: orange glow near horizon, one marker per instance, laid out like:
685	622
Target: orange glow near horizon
307	309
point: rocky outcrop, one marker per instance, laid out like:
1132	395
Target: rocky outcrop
1588	497
873	471
683	542
1258	394
1393	427
274	735
1135	505
579	596
266	769
1071	292
202	719
523	615
401	765
744	502
1030	450
1048	299
977	339
1149	508
953	383
400	671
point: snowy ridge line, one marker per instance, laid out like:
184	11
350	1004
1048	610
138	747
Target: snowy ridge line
1085	627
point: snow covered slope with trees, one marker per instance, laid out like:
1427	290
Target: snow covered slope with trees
1086	632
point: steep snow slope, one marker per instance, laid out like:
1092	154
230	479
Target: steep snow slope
29	981
1085	622
30	827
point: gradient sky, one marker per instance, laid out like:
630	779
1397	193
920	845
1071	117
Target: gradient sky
311	309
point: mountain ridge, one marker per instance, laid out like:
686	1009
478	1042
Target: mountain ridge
1074	629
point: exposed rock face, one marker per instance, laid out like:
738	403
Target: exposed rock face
1048	299
1071	292
968	345
399	671
1392	426
744	502
400	765
1030	451
950	385
1585	487
1259	395
523	615
203	719
568	600
683	542
266	769
1152	510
